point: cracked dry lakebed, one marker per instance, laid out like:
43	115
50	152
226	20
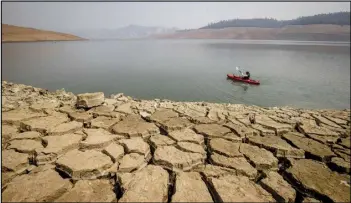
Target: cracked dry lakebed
61	147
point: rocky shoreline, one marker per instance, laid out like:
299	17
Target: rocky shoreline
57	146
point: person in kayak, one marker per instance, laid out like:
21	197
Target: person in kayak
246	76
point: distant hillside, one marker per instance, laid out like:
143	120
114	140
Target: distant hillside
291	32
128	32
10	33
322	27
339	18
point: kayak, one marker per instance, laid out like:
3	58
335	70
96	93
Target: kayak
238	78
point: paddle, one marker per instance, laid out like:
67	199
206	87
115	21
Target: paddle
237	69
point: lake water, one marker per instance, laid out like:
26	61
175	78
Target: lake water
297	74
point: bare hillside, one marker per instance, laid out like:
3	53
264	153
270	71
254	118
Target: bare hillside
10	33
292	32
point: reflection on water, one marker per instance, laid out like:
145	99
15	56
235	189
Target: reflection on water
245	86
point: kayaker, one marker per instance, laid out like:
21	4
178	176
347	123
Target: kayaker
246	76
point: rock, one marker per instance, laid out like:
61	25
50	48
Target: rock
189	187
336	120
31	135
98	132
232	138
136	145
307	128
262	130
161	140
316	149
89	191
174	159
67	109
89	164
187	135
14	161
113	170
279	146
345	142
6	178
43	124
135	126
175	124
56	146
238	189
261	158
65	128
340	130
39	187
243	120
80	116
40	106
345	154
146	107
116	96
105	110
324	139
18	115
201	120
191	147
225	147
240	129
310	200
216	115
125	108
104	122
321	119
144	114
98	140
54	113
339	164
240	164
344	115
163	115
192	113
42	168
278	187
290	121
25	146
279	128
132	162
114	151
137	187
315	177
341	149
8	130
110	101
211	130
213	115
210	170
89	100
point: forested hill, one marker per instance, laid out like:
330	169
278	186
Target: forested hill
339	18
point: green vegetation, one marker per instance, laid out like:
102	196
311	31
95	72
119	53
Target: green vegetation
339	18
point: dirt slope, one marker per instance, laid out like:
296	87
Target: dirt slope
10	33
303	32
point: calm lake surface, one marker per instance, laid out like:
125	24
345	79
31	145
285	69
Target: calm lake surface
297	74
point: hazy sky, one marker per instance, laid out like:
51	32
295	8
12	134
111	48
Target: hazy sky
59	16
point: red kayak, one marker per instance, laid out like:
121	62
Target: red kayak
238	78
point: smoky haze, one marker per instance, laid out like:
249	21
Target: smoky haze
64	16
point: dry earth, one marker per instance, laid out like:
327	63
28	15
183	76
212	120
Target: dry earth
10	33
128	150
292	32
